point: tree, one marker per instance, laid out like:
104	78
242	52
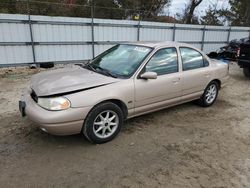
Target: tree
110	9
241	12
150	9
238	14
189	11
211	17
147	9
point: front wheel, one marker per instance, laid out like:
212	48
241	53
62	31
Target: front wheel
210	94
103	123
246	71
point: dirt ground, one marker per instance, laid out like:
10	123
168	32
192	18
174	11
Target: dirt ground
183	146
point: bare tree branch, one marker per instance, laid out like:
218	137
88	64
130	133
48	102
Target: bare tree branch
190	11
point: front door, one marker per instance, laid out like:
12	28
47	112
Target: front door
152	93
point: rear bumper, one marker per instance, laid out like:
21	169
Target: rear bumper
65	122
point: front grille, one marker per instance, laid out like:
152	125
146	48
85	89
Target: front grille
34	96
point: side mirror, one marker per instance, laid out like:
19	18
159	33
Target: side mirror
149	75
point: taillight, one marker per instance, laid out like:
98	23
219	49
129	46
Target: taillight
238	52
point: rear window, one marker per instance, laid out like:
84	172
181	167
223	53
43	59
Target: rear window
192	59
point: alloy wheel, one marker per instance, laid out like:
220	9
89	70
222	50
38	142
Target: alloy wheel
105	124
211	94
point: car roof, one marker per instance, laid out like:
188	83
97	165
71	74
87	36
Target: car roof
158	44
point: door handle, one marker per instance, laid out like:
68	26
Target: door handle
176	80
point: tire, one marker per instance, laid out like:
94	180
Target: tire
47	65
246	71
209	96
98	128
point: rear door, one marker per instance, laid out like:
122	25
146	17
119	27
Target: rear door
150	93
195	72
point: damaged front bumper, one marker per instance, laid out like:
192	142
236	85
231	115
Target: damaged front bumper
65	122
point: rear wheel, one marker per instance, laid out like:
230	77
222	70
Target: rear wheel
246	71
103	123
210	94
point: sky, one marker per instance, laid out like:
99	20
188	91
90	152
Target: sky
178	6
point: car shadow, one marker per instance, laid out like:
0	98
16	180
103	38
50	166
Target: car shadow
17	130
27	132
34	134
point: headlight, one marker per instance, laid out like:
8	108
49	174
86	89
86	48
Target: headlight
57	103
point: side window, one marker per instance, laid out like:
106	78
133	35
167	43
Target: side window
164	61
191	59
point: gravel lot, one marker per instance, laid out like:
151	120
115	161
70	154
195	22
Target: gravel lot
183	146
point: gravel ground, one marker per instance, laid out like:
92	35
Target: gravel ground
183	146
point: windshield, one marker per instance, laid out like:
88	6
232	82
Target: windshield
121	60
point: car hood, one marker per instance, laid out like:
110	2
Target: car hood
67	80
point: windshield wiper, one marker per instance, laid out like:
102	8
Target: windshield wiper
101	70
88	66
107	72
